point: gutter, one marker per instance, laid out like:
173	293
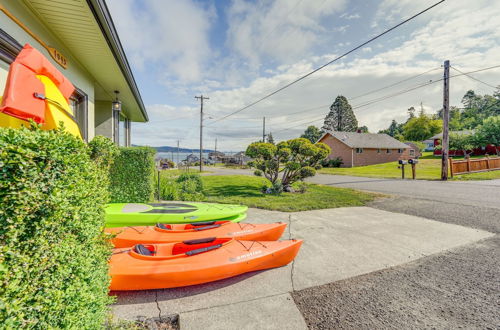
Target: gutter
103	18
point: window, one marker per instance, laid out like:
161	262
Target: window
9	47
79	104
359	150
379	151
412	152
400	151
388	151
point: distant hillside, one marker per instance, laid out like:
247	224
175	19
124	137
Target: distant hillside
174	149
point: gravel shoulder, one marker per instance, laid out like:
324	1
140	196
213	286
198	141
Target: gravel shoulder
454	289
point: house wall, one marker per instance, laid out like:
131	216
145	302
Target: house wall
372	156
75	72
368	157
103	119
339	149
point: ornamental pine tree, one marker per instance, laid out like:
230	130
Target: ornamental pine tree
341	117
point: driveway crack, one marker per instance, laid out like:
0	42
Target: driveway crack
157	305
293	261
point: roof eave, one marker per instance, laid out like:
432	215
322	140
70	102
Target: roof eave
103	18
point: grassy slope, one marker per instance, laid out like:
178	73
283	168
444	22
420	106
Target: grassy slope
242	189
429	168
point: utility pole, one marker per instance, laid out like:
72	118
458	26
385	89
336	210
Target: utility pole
446	119
263	129
177	153
215	153
201	98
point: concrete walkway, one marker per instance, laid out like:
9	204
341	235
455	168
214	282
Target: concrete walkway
338	244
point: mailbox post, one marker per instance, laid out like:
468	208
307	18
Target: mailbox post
413	163
403	163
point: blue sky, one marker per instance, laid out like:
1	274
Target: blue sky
237	51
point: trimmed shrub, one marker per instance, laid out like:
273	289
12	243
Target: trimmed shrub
133	175
186	187
53	252
335	162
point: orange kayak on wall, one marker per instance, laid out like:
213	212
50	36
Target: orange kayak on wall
157	266
167	233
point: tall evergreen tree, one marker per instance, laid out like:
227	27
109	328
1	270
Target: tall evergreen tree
341	117
270	138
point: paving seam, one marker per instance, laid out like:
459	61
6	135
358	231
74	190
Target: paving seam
234	303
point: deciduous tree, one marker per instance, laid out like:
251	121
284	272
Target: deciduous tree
312	133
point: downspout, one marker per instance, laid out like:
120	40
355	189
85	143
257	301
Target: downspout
352	157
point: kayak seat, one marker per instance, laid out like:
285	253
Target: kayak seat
163	226
204	223
142	250
182	247
199	241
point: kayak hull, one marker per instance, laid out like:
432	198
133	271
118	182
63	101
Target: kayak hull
141	214
130	236
132	272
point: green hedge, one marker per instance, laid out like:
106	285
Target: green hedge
53	252
133	175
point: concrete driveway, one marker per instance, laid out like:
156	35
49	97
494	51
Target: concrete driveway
338	244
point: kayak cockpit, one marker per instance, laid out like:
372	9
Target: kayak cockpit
189	227
177	250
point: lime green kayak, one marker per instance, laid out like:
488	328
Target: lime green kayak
138	214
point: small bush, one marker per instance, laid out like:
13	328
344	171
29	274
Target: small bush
257	173
334	162
300	187
276	188
186	187
133	175
53	252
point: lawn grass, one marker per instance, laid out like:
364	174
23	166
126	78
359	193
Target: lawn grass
176	172
246	190
428	168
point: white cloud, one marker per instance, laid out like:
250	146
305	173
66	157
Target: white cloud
469	37
281	30
172	35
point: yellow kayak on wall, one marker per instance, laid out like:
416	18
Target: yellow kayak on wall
36	90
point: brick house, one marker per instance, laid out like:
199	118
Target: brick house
359	149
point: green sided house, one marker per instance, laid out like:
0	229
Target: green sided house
80	40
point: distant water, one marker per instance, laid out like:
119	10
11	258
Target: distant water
173	156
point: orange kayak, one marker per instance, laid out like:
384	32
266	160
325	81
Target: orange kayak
157	266
168	233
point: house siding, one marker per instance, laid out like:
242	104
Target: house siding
339	149
369	156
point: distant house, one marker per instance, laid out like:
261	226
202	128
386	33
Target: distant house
490	149
359	149
215	155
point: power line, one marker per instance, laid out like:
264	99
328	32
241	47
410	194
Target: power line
473	78
355	97
397	94
330	62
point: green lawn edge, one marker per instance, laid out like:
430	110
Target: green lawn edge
246	190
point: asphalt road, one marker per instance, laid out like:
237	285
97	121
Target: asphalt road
458	288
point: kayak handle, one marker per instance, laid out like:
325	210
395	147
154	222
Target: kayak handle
199	241
205	223
207	227
201	250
